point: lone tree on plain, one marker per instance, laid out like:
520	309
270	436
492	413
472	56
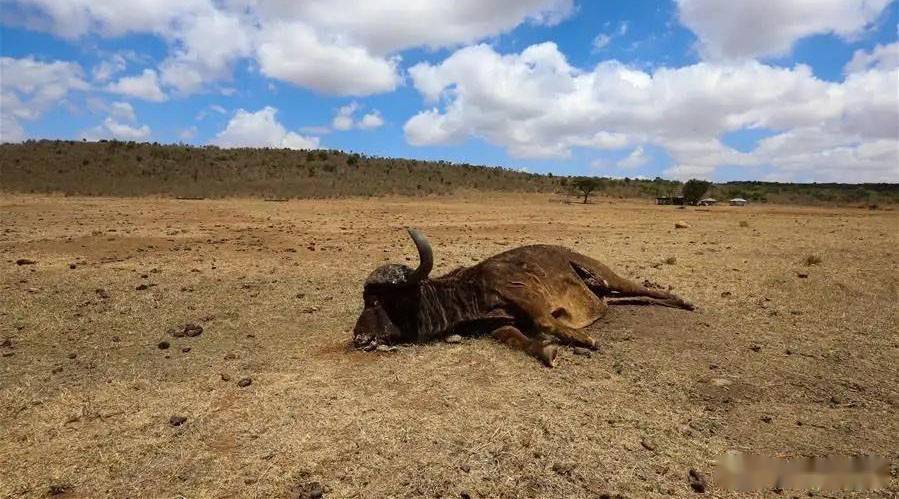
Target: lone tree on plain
585	186
695	189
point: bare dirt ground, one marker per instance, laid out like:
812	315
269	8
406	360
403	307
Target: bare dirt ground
782	358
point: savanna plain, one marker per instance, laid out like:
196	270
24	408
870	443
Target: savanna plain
792	351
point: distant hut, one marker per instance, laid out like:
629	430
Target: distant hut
678	200
708	202
738	202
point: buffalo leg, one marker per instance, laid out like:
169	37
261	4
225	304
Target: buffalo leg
565	334
512	337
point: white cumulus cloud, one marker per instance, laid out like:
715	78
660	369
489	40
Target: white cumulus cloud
536	105
143	86
28	88
261	129
737	29
345	118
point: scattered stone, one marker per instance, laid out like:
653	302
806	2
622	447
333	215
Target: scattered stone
245	382
697	481
766	419
163	345
755	348
142	287
725	294
7	343
464	495
230	356
681	225
563	468
802	275
73	266
116	339
102	293
185	350
310	310
226	377
58	489
311	490
25	261
466	468
192	330
583	351
177	420
72	355
386	348
721	381
648	444
453	338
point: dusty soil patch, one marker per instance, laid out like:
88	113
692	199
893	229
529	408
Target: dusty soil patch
770	363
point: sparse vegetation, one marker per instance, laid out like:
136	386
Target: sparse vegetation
812	259
585	186
115	168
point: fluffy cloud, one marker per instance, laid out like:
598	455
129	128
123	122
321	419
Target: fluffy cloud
749	28
120	124
143	86
635	159
883	57
261	129
536	105
339	47
345	118
28	88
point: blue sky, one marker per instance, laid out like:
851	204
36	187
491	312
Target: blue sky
680	89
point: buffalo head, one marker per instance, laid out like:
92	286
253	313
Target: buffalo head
391	296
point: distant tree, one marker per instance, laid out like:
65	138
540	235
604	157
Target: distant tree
585	186
695	189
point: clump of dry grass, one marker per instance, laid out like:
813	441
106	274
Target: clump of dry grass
671	260
744	223
812	259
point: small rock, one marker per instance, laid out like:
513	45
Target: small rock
648	444
192	330
310	310
697	481
721	381
725	294
802	275
311	490
766	419
583	351
466	468
755	348
72	355
142	287
230	356
7	343
177	420
681	225
386	348
453	338
25	261
563	468
102	293
116	339
73	266
226	377
58	489
245	382
464	495
185	350
163	345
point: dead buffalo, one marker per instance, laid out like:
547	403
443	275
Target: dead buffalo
528	298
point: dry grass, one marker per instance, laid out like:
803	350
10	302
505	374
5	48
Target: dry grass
771	363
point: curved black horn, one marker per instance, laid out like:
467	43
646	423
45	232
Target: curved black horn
425	257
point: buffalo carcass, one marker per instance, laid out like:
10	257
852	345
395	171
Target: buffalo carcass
529	298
